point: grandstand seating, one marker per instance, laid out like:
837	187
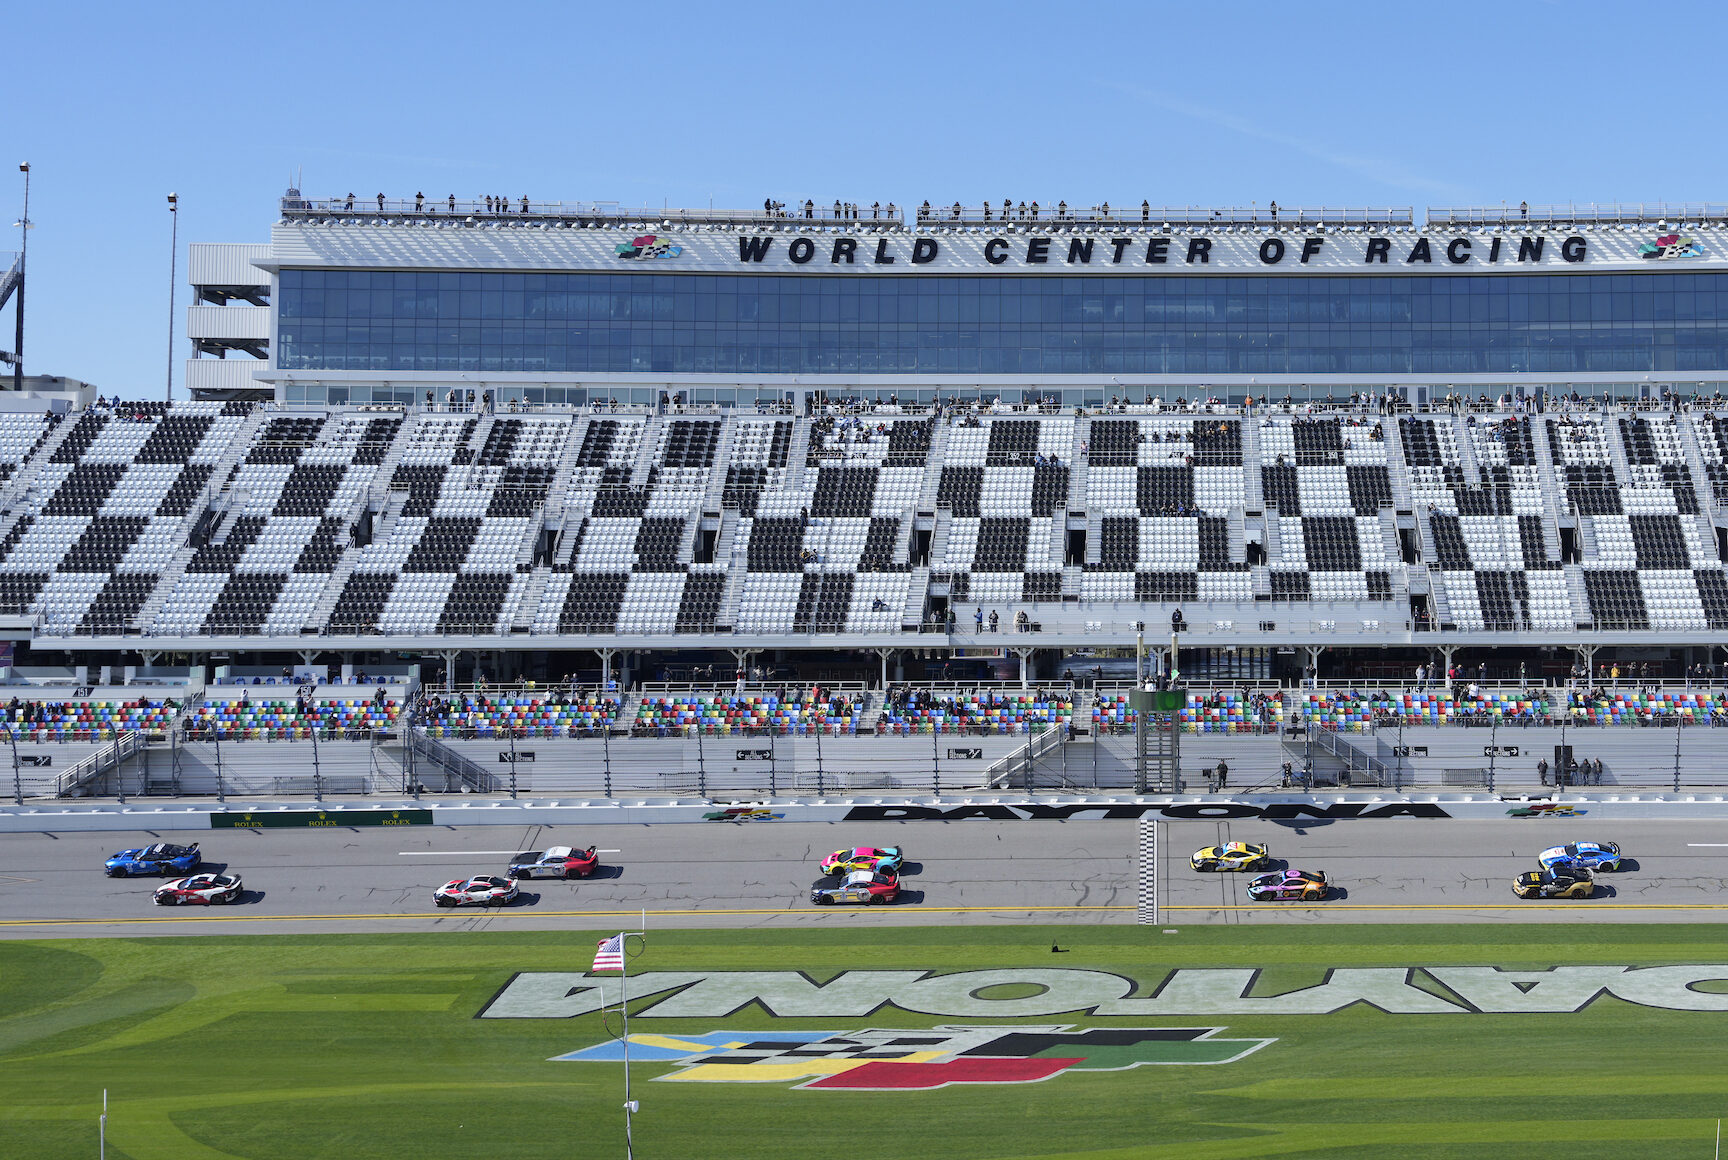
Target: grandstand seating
207	520
521	714
744	713
278	718
980	713
84	719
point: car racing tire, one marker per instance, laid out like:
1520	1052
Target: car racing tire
163	900
520	875
824	900
443	902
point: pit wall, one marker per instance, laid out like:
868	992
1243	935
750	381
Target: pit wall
1295	808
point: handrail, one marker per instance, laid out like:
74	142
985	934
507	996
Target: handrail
1026	213
80	774
471	774
1019	759
1637	213
588	213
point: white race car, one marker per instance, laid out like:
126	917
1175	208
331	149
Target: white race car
480	890
199	890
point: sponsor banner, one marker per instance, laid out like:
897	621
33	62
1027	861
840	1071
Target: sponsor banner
1037	993
315	819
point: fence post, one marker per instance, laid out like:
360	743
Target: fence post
701	764
936	757
216	740
823	728
317	771
606	748
512	762
1677	728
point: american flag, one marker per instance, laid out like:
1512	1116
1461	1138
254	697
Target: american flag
610	955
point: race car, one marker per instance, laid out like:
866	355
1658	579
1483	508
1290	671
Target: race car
1289	886
1554	884
858	886
555	862
480	890
162	858
1599	856
199	890
1230	856
885	861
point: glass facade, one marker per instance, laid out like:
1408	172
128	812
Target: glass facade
943	324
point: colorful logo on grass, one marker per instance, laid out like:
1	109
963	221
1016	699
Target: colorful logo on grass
649	246
1671	246
910	1060
1545	810
743	814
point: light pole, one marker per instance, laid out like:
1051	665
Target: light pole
173	271
23	255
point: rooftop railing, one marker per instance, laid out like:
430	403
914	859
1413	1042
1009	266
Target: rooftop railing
1148	216
1639	213
589	214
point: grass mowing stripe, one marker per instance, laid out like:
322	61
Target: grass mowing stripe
247	1047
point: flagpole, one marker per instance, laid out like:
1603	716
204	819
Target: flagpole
624	1008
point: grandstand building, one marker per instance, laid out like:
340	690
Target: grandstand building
545	438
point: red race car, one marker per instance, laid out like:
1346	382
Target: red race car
555	862
858	886
199	890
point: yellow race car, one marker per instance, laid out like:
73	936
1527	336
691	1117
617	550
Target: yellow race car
1573	883
1231	856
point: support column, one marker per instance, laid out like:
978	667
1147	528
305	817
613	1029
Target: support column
1023	654
450	657
742	656
605	655
149	659
1314	651
884	654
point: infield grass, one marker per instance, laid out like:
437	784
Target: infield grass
353	1047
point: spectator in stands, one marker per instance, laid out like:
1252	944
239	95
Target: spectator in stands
993	620
978	618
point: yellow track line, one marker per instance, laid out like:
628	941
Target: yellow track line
496	913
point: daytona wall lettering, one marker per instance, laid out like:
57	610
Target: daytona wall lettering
1180	993
1190	811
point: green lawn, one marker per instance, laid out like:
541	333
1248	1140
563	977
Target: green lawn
367	1046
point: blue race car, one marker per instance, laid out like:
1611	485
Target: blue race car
162	858
1602	856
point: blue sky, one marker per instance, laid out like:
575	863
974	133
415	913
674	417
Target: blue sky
114	105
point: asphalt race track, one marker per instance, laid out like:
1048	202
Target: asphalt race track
759	874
